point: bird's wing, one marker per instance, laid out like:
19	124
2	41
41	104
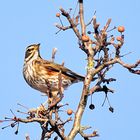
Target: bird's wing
59	68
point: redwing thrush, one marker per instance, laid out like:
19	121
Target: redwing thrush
43	75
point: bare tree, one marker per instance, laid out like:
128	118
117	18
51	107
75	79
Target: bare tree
103	52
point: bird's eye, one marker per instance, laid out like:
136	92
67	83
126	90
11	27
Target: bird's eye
28	53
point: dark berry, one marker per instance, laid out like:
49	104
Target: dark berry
89	32
91	106
12	124
16	132
111	109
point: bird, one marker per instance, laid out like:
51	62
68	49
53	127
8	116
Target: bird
43	75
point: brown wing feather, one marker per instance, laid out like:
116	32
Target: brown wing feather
53	67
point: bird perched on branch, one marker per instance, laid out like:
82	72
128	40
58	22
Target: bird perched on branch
43	75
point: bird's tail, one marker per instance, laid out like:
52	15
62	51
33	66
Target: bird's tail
82	78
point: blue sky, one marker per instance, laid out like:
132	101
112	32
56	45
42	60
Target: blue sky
26	22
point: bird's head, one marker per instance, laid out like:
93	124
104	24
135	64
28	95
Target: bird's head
32	52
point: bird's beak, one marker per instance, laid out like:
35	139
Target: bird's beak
38	46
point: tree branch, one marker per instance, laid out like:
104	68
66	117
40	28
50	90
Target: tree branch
73	25
130	67
81	12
